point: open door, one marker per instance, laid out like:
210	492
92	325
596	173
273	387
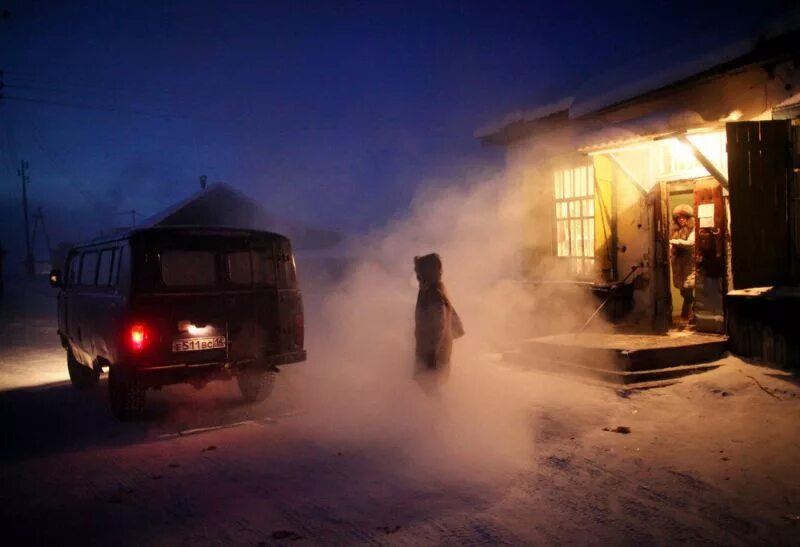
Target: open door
662	299
710	259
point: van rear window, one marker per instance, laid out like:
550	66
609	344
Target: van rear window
188	268
263	268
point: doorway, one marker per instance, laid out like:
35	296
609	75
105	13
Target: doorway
707	259
680	193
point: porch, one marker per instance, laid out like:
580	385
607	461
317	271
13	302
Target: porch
626	358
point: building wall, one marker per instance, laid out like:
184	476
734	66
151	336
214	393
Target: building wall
751	91
625	177
633	233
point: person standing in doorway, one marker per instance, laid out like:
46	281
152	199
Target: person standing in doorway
436	324
682	258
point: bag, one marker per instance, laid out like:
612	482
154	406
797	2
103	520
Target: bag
456	326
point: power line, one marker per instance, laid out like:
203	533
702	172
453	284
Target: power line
67	104
53	155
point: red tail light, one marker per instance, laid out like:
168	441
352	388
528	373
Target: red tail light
138	337
299	330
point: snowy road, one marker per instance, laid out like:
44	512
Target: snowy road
696	467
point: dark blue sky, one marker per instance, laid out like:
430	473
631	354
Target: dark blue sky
328	112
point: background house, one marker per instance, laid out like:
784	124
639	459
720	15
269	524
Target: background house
602	168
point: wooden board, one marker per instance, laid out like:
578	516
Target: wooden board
759	171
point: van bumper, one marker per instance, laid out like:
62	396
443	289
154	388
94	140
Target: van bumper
285	358
161	375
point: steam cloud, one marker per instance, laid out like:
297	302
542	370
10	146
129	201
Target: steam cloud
357	386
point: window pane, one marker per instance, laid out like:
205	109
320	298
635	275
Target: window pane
558	181
239	268
588	237
590	189
112	281
574	209
188	268
568	184
88	268
580	175
104	271
74	268
588	208
575	233
563	238
264	268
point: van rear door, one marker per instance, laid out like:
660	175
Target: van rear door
185	300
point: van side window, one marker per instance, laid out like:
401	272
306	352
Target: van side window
104	269
188	268
88	268
74	268
123	275
113	280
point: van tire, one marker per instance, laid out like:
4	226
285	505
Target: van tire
126	395
256	385
80	376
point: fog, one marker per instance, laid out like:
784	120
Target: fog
357	387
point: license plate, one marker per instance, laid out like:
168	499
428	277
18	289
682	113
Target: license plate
198	344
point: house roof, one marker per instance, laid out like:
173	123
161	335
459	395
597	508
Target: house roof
526	115
677	65
657	124
221	205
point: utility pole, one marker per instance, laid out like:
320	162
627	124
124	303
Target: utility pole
38	220
25	179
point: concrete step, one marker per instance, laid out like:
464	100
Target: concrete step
620	353
630	379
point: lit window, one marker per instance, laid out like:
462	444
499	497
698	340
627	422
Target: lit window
574	192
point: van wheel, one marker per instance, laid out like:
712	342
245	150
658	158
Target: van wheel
80	376
126	395
256	385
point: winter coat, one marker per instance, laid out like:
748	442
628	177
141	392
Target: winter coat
682	256
433	328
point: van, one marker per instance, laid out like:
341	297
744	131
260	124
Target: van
167	305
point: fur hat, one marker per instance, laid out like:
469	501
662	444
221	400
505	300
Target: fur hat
428	267
683	210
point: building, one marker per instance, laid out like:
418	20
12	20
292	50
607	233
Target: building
602	169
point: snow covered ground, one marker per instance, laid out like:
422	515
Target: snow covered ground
713	459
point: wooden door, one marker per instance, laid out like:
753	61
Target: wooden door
710	259
662	299
759	174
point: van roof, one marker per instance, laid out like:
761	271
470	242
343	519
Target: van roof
204	230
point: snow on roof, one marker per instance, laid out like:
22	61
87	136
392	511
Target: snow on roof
527	115
638	78
655	71
794	100
640	129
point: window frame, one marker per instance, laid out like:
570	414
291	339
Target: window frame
83	262
573	212
108	281
159	262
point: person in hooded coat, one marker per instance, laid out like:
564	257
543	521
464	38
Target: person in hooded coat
682	257
436	322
